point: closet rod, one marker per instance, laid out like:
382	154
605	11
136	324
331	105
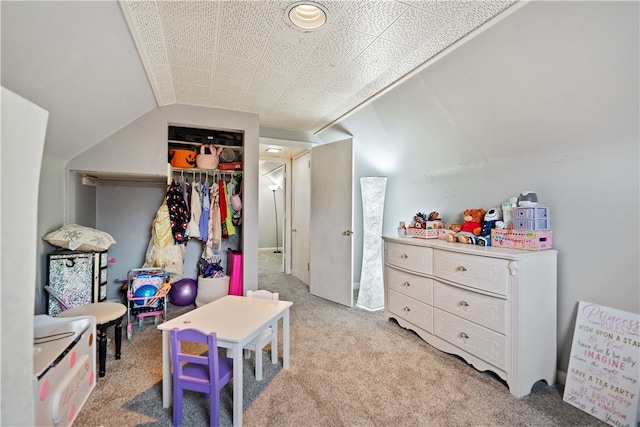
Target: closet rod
172	172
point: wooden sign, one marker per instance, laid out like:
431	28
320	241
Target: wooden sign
604	369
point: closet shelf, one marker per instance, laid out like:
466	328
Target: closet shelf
196	145
198	170
192	171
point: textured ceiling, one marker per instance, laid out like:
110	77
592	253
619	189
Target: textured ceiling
246	56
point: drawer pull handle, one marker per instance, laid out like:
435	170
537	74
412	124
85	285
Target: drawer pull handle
404	256
463	336
461	268
407	284
406	309
463	304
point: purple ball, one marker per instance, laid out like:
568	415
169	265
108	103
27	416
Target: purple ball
183	292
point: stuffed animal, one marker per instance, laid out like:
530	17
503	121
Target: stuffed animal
471	228
421	220
492	219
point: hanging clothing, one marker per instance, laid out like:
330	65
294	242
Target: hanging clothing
216	227
231	229
161	252
223	210
204	215
178	213
161	227
233	190
184	186
214	238
193	229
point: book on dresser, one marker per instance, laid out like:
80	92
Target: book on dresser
494	307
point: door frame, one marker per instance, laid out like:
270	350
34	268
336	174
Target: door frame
299	148
295	183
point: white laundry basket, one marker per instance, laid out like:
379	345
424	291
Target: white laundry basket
211	289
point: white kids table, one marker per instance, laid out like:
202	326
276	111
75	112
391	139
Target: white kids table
236	320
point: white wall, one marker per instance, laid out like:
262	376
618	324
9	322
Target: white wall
51	215
23	125
126	212
85	212
77	60
545	100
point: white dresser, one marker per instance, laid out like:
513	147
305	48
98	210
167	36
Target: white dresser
494	307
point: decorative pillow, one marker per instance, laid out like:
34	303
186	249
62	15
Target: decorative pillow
80	238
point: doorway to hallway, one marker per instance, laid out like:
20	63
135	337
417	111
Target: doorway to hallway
272	209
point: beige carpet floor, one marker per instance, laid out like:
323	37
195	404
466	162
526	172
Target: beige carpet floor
349	367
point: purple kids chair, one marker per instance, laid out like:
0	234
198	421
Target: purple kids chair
204	374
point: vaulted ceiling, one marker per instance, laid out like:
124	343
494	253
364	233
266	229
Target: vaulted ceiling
248	56
536	76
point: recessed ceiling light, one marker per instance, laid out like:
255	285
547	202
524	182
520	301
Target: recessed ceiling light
307	15
273	150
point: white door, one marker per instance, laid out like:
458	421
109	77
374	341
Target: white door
300	216
331	244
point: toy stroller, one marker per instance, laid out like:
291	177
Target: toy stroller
147	290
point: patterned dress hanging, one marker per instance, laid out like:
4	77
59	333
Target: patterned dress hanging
214	237
193	230
178	213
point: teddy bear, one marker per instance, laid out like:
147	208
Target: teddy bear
470	229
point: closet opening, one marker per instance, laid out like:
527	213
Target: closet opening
206	165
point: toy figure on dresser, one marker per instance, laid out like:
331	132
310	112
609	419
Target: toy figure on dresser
421	220
492	219
424	226
527	199
467	232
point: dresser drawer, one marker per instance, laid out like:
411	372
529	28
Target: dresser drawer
412	310
481	309
481	342
483	273
417	287
414	258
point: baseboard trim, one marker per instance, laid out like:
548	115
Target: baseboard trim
561	377
369	309
269	249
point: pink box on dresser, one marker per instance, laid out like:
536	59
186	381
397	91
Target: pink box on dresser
529	240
